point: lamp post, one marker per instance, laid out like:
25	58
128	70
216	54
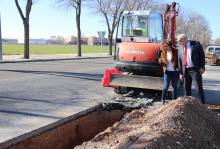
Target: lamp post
0	40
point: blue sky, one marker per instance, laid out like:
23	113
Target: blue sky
47	19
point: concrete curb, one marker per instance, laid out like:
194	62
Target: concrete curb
51	59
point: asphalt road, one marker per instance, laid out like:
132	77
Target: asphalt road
211	83
33	94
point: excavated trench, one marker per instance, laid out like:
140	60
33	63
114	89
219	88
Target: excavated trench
80	127
128	122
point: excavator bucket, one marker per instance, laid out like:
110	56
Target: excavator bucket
114	78
135	81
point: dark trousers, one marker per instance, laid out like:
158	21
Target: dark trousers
173	77
195	76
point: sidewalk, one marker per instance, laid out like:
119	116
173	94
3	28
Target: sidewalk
33	58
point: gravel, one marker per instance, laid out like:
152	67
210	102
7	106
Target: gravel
181	124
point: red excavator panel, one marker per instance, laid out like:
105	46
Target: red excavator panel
139	52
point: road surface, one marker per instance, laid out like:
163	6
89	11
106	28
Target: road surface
33	94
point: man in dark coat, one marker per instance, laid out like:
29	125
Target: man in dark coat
191	61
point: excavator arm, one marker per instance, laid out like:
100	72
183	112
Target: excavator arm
169	19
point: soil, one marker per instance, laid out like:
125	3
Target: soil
181	124
211	58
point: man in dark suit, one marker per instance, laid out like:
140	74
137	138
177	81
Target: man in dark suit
191	61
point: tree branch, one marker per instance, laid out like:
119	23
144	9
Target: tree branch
28	8
19	10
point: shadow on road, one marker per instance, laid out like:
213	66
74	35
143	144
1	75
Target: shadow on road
29	114
64	102
86	76
53	101
212	91
211	82
212	96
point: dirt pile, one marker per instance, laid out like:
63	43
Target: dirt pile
211	58
183	123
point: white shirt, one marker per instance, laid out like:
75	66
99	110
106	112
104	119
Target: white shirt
169	62
189	54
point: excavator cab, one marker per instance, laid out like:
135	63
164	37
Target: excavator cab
141	33
134	26
141	26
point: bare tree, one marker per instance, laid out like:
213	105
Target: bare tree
25	20
181	24
195	26
0	39
217	41
145	5
77	5
138	4
110	9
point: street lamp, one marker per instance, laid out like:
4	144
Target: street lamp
0	40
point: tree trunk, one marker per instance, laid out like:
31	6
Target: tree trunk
110	39
26	25
26	39
78	13
0	40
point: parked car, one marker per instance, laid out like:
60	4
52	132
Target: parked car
214	50
213	54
